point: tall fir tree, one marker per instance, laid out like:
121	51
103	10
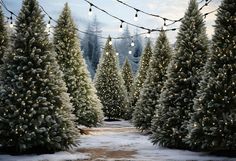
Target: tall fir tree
87	106
183	76
156	75
35	109
139	79
110	85
91	46
127	75
213	124
3	36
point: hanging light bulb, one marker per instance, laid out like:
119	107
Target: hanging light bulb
148	34
164	27
90	13
121	26
132	43
130	52
136	16
49	24
11	24
110	42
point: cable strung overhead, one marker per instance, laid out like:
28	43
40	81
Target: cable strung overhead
148	30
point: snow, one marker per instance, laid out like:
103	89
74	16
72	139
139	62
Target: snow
59	156
128	139
118	136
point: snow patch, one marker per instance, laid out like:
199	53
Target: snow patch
59	156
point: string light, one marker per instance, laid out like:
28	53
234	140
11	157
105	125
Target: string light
122	21
173	21
117	54
136	16
90	13
130	52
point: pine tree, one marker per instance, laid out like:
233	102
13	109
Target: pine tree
139	79
127	75
91	46
87	106
213	123
156	75
110	85
3	36
183	76
35	109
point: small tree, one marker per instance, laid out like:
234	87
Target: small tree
3	36
127	75
35	109
156	75
139	79
110	85
213	123
183	76
87	106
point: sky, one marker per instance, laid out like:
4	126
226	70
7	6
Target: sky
173	9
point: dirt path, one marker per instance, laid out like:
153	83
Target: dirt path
114	141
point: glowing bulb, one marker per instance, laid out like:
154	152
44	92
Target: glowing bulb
110	42
164	27
107	53
117	54
130	52
48	25
11	25
148	34
132	44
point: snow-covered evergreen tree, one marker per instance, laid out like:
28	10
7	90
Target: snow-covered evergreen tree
110	85
87	106
139	79
127	75
138	46
3	36
213	123
156	75
91	46
35	109
183	76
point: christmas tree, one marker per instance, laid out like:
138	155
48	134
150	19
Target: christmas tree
213	124
87	106
183	76
139	79
3	36
110	85
146	105
35	109
127	75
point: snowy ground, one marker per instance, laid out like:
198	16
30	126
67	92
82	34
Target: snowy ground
121	142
